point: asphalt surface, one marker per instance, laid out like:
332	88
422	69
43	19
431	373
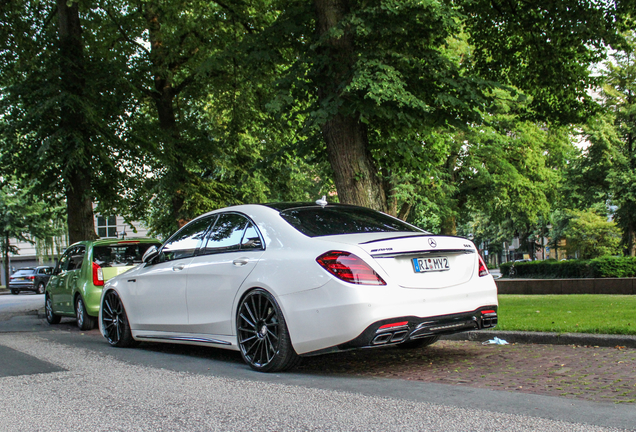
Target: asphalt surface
95	392
59	378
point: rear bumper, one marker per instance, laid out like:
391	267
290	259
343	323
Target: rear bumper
340	316
416	328
22	287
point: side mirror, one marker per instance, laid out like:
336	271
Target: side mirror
150	253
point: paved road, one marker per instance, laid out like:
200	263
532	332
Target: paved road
57	378
18	305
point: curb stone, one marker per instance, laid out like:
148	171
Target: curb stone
584	339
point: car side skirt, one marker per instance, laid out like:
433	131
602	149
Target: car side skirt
220	341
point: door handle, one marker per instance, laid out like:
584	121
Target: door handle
240	261
178	267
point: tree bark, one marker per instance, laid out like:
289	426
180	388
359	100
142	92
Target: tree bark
164	99
80	219
355	174
449	226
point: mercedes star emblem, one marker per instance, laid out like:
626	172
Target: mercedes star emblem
432	242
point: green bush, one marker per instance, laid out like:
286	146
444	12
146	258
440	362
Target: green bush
604	267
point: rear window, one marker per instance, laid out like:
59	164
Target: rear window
318	221
119	255
24	272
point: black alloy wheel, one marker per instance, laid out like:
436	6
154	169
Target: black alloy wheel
15	291
41	287
262	333
115	325
51	317
418	343
84	320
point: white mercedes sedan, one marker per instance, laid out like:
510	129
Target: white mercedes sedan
281	281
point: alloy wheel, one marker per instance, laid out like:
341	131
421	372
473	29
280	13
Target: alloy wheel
258	329
113	318
51	317
79	312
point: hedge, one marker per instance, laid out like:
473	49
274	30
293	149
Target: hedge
604	267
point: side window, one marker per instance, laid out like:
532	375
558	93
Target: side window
76	259
226	234
63	264
185	242
251	239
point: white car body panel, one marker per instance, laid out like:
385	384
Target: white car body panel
155	296
212	287
199	303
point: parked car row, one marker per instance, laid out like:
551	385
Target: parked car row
277	282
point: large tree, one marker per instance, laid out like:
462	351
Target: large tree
620	98
379	69
60	106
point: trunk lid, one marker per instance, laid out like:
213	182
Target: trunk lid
419	260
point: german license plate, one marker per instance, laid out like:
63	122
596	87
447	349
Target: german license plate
423	265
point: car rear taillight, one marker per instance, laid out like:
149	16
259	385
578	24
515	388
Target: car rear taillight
393	325
349	268
98	275
31	277
483	270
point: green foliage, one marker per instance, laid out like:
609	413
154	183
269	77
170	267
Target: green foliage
591	235
24	217
603	267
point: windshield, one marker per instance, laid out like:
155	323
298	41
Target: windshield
24	272
317	221
119	255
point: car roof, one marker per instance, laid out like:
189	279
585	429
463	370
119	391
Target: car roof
282	206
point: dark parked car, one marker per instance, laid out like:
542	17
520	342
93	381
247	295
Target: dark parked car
30	279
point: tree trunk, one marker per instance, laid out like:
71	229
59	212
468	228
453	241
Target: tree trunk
355	173
163	97
81	225
5	259
449	226
631	240
79	209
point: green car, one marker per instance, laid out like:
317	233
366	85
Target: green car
75	287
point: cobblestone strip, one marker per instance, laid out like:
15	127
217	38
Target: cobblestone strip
582	372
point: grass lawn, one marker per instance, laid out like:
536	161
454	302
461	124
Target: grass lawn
584	313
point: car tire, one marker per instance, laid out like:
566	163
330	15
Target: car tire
40	288
262	333
84	320
15	291
115	326
418	343
51	317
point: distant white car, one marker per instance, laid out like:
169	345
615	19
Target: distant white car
279	281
